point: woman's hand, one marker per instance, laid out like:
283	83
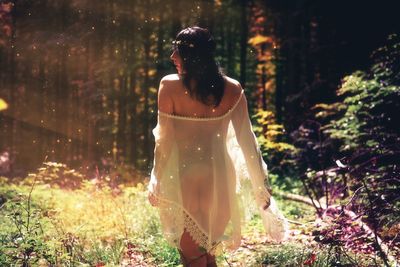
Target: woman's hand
153	189
268	200
152	199
266	205
263	197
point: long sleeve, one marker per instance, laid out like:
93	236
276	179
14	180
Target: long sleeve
250	157
163	136
247	141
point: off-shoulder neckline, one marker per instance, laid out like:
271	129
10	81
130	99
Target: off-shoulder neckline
203	118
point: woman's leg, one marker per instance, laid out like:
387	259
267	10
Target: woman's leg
195	201
191	254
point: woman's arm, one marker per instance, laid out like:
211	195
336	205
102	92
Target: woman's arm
274	222
164	100
162	136
247	141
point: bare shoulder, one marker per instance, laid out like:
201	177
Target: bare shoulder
233	86
166	91
170	83
170	78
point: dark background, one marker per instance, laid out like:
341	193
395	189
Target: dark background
81	77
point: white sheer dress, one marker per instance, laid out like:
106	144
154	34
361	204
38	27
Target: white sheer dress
199	166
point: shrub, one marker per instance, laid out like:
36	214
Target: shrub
351	153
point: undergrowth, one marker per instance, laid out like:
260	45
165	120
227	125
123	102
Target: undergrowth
99	225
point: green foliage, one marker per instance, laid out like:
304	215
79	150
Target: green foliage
269	133
363	97
386	67
351	152
285	182
367	115
292	255
60	175
96	225
55	174
276	152
23	238
296	211
90	225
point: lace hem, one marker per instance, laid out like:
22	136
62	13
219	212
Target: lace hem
197	234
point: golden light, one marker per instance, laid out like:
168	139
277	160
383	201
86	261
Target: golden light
3	105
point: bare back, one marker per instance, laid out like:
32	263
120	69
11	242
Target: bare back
184	105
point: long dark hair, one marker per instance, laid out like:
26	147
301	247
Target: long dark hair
196	47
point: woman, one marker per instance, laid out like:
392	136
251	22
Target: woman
205	149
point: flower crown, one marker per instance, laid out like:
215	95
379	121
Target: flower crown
181	42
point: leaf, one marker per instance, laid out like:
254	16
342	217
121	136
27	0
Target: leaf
3	105
259	39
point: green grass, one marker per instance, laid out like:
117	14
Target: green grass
99	225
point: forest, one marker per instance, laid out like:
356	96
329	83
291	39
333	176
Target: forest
78	103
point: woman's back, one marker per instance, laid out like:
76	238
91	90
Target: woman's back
184	105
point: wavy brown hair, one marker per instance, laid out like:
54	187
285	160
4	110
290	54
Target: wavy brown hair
196	47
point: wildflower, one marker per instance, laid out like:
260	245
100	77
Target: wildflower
311	259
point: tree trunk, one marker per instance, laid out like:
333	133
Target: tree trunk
243	41
146	85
